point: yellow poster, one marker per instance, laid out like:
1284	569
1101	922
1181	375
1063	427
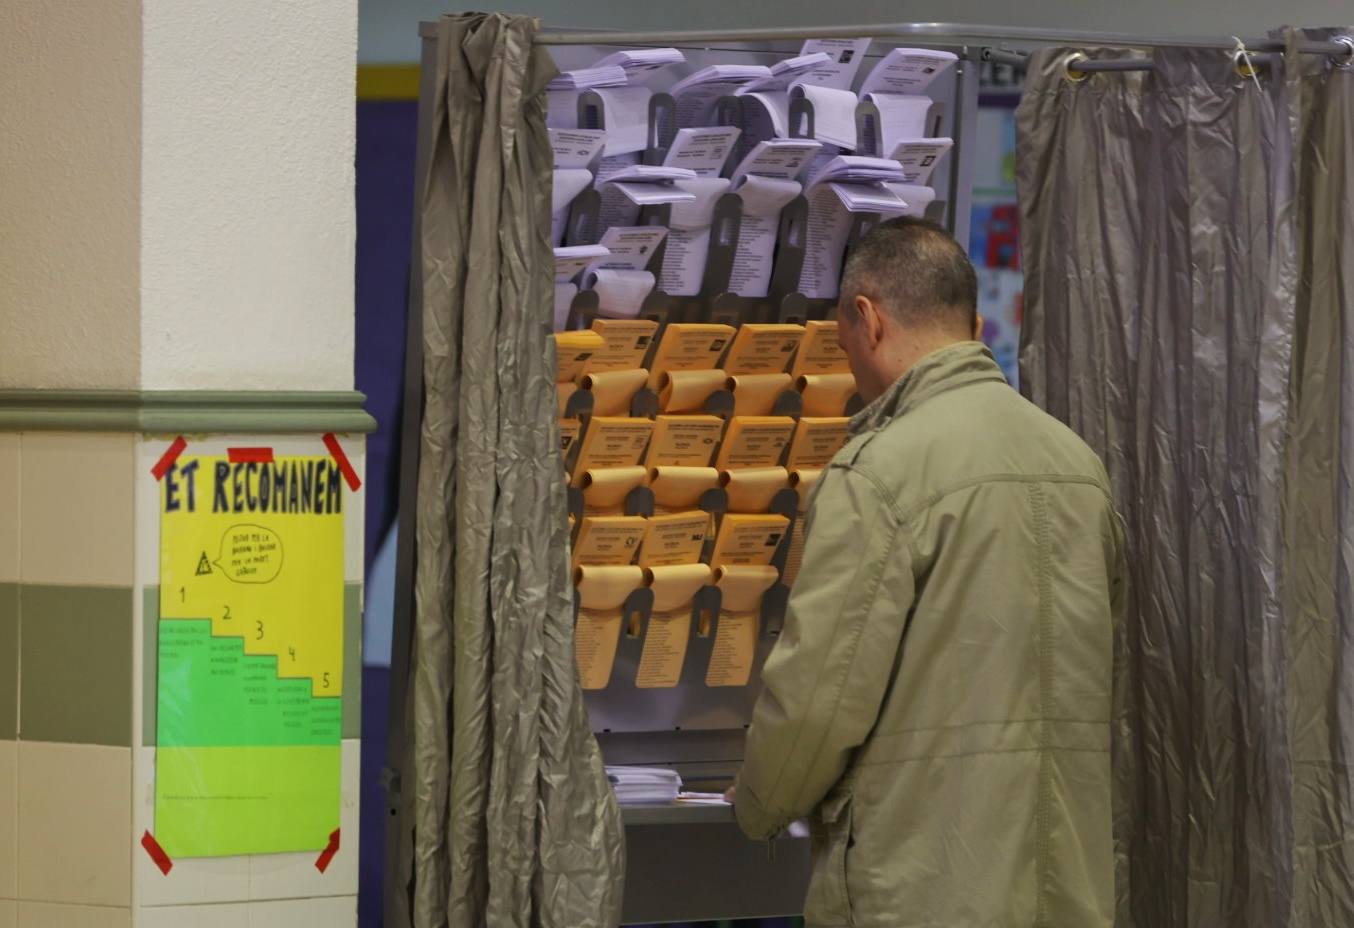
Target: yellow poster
250	695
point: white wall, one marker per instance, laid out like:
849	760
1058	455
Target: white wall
389	28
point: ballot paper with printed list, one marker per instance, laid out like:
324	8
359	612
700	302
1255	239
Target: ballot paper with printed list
567	184
620	293
575	148
688	242
638	62
629	247
652	185
623	112
834	113
696	94
918	199
786	72
899	117
783	158
704	151
763	199
845	56
843	185
918	157
908	71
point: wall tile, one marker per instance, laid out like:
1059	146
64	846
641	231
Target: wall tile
77	492
333	912
75	660
292	876
229	915
46	915
9	508
9	798
74	818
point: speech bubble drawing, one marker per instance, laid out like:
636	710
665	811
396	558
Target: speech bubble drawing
250	554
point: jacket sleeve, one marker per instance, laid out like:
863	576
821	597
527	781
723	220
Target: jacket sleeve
825	680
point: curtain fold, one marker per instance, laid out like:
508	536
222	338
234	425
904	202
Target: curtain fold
1161	248
514	822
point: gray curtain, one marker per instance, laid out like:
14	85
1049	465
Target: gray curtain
1186	239
514	823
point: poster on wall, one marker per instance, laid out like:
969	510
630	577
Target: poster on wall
250	668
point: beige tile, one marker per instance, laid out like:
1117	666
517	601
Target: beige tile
9	913
333	912
229	915
75	815
9	797
9	508
293	876
77	493
192	880
48	915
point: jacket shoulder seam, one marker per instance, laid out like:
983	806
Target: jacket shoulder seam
931	499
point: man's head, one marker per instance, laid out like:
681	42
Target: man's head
908	289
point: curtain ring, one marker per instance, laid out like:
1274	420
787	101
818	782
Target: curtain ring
1344	62
1071	74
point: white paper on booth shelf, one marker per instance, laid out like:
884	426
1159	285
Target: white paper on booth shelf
630	247
689	236
625	117
585	78
768	117
653	194
916	198
834	113
566	185
919	157
702	150
576	148
784	158
900	117
786	72
652	185
636	62
824	244
869	198
908	70
856	169
615	209
561	109
844	60
650	174
763	199
573	260
564	301
695	96
620	294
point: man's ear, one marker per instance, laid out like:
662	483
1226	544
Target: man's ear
871	317
977	327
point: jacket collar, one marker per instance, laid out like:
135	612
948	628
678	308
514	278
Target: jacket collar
938	372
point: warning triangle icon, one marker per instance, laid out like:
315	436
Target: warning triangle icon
204	566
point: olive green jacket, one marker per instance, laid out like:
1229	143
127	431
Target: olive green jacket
938	703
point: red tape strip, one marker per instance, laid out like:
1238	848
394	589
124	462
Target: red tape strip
156	852
167	459
346	466
249	455
322	863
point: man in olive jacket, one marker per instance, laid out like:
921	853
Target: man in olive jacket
938	703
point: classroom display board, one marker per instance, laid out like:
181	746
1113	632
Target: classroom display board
250	675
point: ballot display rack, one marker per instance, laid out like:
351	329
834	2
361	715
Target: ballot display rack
679	858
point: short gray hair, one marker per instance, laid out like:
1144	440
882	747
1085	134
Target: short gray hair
917	272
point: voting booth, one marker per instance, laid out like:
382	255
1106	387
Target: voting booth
704	201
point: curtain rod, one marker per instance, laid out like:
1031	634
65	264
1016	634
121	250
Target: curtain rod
958	32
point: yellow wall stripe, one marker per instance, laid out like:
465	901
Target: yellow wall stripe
387	82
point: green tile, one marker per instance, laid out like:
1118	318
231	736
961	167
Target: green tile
150	663
352	660
75	656
9	661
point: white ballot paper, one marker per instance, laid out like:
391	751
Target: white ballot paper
576	148
630	247
564	301
919	157
845	58
869	198
695	95
573	260
918	199
625	117
900	117
908	70
845	184
637	62
689	236
561	109
568	183
766	115
616	209
763	199
651	185
784	158
834	113
702	150
784	73
620	294
859	169
587	78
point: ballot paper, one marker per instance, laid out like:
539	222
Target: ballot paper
615	209
573	260
900	117
564	299
919	157
637	62
856	169
845	58
567	184
908	70
763	199
588	78
624	115
834	113
829	223
688	246
695	95
651	785
651	185
766	115
620	294
783	158
651	174
561	109
918	199
630	247
786	72
576	148
869	198
704	151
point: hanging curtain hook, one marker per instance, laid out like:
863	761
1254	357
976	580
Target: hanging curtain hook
1346	61
1070	72
1245	67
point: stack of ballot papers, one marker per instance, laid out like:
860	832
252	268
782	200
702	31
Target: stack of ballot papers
587	78
908	71
859	169
650	185
637	61
695	95
784	73
651	785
